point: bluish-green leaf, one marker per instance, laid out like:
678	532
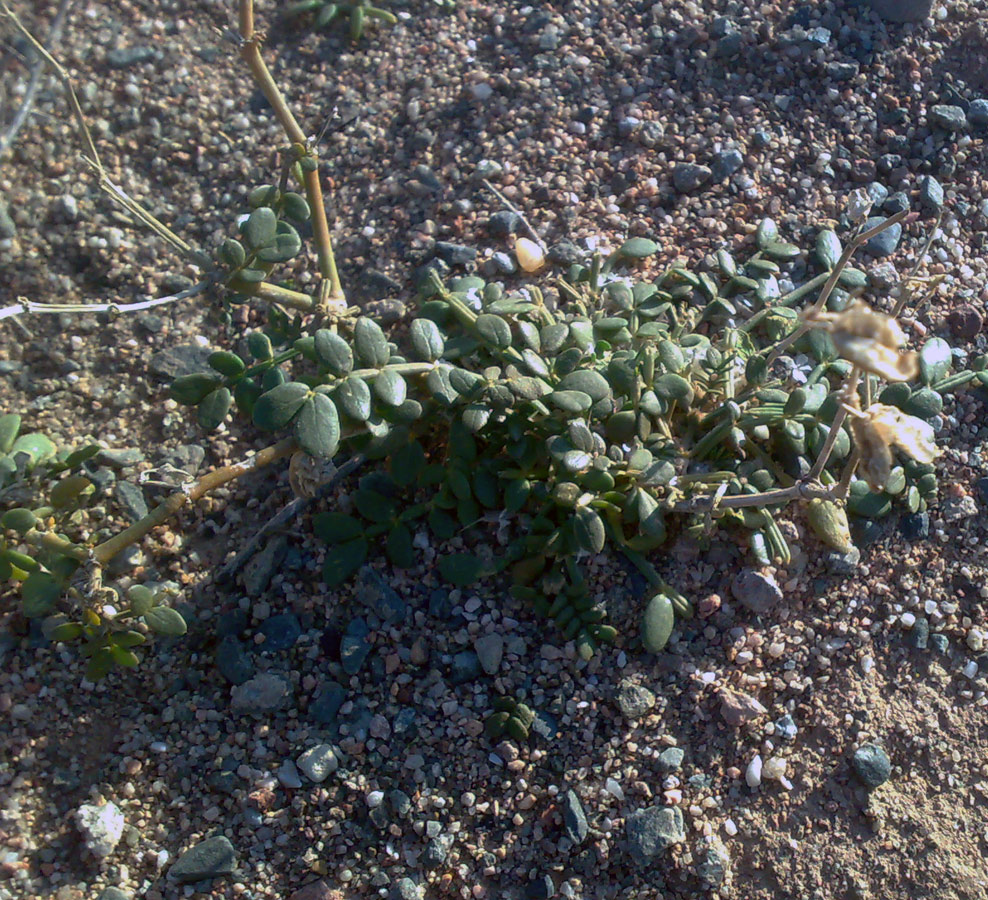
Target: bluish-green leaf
343	560
390	388
317	428
260	228
461	569
213	408
370	343
427	339
38	594
165	621
354	398
333	352
276	408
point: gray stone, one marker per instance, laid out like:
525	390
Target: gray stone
671	759
354	648
437	850
185	359
210	858
842	71
380	596
127	57
7	227
466	667
113	893
187	457
653	830
127	559
233	661
838	563
729	45
504	223
877	193
977	113
575	825
715	862
566	253
634	700
131	498
502	264
490	649
885	242
651	133
818	37
895	203
940	643
687	177
725	164
872	765
262	694
919	634
318	762
947	117
263	564
902	10
280	632
326	706
956	509
405	889
400	802
628	126
931	193
101	827
288	775
455	254
785	728
755	591
119	458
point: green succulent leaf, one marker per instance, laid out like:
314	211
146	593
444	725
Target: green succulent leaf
39	449
259	345
934	360
260	228
461	569
19	520
828	248
400	549
638	248
370	343
295	207
39	592
333	352
285	245
336	528
588	528
494	331
354	398
427	339
10	424
586	381
317	428
232	253
226	363
67	491
390	388
278	406
343	560
165	621
191	390
213	408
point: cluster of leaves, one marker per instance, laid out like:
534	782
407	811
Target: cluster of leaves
325	12
47	496
511	718
598	418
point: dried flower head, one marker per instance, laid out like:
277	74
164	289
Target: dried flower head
870	340
306	474
879	430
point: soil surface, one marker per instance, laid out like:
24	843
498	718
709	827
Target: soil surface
579	113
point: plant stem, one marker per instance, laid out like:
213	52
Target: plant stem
331	291
828	445
274	293
104	552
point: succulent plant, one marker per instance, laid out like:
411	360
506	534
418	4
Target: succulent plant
325	13
511	718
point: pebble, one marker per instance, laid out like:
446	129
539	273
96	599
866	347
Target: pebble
785	728
955	509
575	825
354	647
466	667
288	775
965	321
653	830
931	193
280	632
7	227
490	650
774	768
671	759
902	10
504	223
101	827
687	177
915	526
327	704
737	708
634	700
128	57
262	565
920	635
725	164
947	117
715	862
755	591
318	762
872	765
977	113
437	850
405	889
261	694
884	243
233	661
208	859
753	772
113	893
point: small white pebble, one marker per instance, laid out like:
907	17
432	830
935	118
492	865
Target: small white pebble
867	664
975	640
970	669
375	799
774	768
158	747
908	620
730	828
753	774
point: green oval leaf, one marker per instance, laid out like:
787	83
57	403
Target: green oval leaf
494	330
67	491
427	339
400	549
260	228
333	352
354	398
190	390
38	448
213	409
390	388
588	528
638	248
317	427
934	360
461	569
276	408
285	246
165	621
336	528
587	381
19	520
226	363
370	343
38	594
10	424
295	207
343	560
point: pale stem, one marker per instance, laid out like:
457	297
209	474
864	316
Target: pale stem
250	50
828	445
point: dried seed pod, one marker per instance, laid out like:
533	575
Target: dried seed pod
531	256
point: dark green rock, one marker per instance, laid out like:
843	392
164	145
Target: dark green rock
208	859
872	765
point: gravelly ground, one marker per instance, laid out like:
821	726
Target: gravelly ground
585	109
